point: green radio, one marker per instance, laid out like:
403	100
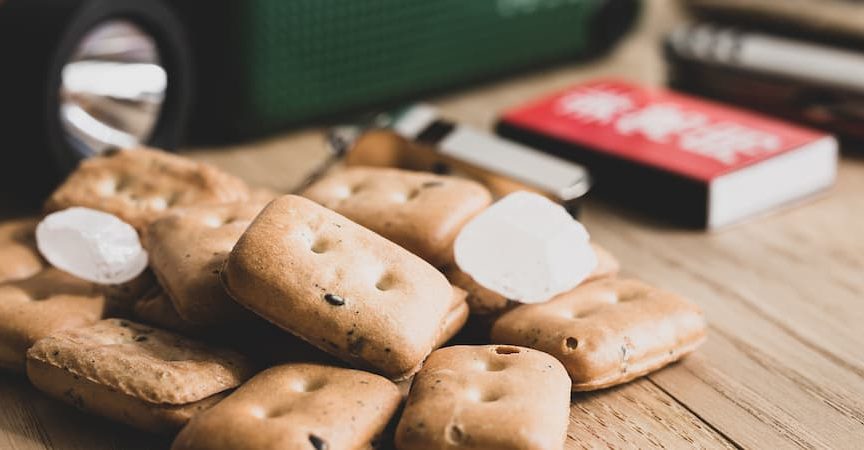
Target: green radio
264	64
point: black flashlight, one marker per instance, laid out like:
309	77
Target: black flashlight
78	77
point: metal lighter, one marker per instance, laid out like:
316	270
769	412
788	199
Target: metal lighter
417	138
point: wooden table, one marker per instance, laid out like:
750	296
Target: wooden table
784	362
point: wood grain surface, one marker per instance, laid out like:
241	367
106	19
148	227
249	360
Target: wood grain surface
784	363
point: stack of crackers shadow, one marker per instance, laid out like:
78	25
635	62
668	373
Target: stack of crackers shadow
336	299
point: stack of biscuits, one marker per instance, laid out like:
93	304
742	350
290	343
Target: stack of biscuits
300	321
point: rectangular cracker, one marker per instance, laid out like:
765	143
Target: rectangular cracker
271	344
420	211
488	397
44	303
19	257
131	373
87	396
296	406
139	185
607	332
188	248
486	302
339	286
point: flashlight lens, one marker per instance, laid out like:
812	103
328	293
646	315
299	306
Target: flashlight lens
112	89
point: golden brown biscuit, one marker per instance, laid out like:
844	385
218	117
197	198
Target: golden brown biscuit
420	211
488	397
484	301
272	345
296	406
456	317
339	286
19	257
607	332
188	248
86	396
42	304
139	185
131	373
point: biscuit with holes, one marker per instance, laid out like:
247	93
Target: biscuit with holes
420	211
139	185
488	397
34	307
187	250
271	344
19	257
483	301
339	286
147	378
296	406
607	332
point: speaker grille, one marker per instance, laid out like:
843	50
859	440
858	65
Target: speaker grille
307	58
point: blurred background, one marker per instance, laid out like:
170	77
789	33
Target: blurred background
82	76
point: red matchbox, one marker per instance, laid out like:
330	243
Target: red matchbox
686	159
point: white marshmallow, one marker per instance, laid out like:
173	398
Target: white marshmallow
92	245
526	248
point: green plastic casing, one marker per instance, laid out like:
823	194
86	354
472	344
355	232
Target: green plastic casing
265	64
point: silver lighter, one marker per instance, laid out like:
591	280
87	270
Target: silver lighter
417	138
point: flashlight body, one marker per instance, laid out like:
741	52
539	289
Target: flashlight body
37	39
